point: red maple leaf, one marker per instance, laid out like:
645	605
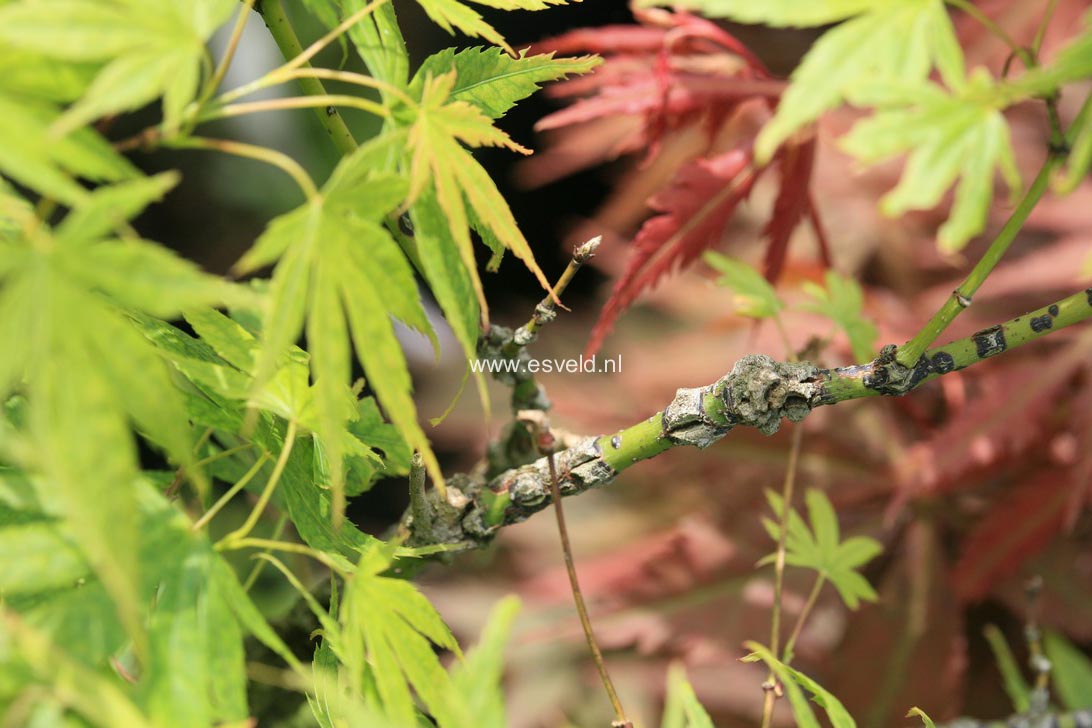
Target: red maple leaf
674	72
695	209
1014	530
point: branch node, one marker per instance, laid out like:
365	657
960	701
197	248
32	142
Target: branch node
759	391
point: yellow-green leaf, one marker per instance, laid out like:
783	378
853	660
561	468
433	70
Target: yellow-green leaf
948	137
897	42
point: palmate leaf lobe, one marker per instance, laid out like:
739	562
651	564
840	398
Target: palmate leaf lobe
341	277
948	137
148	49
88	373
453	15
821	548
438	159
494	81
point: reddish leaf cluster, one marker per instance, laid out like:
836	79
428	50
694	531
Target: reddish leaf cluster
673	74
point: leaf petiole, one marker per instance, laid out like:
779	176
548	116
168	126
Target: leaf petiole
233	539
251	151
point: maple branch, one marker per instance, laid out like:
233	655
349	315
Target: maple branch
502	343
284	35
757	392
909	354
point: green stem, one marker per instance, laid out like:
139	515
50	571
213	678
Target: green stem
285	546
962	296
226	497
779	568
860	381
282	75
262	154
1040	32
252	577
329	103
285	36
809	605
243	531
1000	33
229	52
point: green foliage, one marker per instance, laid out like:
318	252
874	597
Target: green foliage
88	538
681	706
820	547
494	81
341	277
461	185
1015	685
754	296
949	136
377	38
925	719
453	15
1071	671
797	686
842	301
118	605
147	49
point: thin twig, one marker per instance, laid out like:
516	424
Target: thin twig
226	497
262	154
545	311
263	500
1040	32
285	36
787	488
813	597
229	51
327	102
546	444
419	506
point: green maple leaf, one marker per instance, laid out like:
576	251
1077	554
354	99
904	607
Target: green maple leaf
387	629
148	49
754	296
795	684
378	40
439	160
88	373
842	301
494	81
681	706
948	137
30	155
342	277
452	14
820	547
